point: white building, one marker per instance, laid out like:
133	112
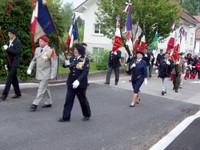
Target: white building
189	23
97	41
197	44
92	34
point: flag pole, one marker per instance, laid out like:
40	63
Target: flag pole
60	41
2	37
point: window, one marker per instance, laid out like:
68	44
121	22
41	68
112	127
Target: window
185	36
97	29
96	52
191	39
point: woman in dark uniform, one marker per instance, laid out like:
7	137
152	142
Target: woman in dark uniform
77	84
138	76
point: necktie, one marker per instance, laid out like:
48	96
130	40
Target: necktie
41	50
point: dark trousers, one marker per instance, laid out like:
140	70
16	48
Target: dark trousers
12	79
70	96
198	72
177	81
116	70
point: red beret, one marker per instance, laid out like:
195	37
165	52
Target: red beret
45	38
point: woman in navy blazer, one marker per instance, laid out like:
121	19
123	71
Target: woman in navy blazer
138	75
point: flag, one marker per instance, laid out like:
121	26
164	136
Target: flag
170	44
117	39
41	22
136	33
182	39
171	41
175	53
73	34
135	45
128	27
142	43
154	45
127	6
174	26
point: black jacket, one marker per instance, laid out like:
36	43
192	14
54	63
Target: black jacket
165	69
114	60
79	70
14	53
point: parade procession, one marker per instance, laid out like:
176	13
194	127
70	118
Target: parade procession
57	90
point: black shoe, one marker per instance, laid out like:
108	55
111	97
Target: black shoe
106	83
132	105
63	120
162	93
176	91
46	106
116	83
86	118
3	97
16	96
33	107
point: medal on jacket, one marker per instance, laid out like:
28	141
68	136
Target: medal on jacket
45	56
80	64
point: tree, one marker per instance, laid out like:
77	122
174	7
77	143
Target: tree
152	15
192	6
17	14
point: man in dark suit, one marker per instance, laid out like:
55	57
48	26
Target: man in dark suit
12	49
165	68
113	64
77	83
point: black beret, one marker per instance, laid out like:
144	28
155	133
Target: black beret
12	30
80	48
140	52
181	53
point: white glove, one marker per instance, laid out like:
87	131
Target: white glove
193	67
145	55
75	84
5	47
133	65
29	71
67	63
177	62
156	71
145	81
6	67
51	77
168	63
115	53
190	66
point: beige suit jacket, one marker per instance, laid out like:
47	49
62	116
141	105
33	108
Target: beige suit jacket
46	63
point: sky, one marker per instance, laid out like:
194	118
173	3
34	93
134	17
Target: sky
75	2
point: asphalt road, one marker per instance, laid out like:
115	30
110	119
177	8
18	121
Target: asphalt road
113	125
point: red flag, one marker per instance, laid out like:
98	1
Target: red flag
135	46
143	43
170	44
117	40
175	52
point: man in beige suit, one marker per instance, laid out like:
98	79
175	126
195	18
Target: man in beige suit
45	60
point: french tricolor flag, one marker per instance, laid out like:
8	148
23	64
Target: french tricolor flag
127	6
174	26
72	35
41	22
